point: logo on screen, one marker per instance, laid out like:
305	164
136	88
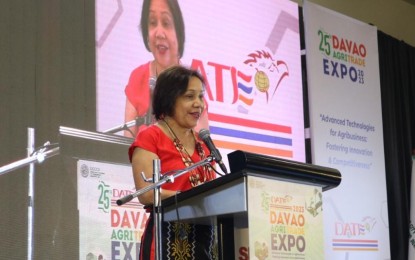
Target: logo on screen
84	170
352	236
267	73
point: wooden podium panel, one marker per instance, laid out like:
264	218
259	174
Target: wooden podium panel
224	201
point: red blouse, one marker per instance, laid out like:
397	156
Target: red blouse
138	89
137	92
153	139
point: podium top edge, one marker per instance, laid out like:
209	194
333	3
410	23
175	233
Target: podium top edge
94	136
326	177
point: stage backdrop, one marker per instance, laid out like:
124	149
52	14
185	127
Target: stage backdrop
249	53
346	131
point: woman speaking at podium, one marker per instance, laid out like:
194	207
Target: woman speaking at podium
177	106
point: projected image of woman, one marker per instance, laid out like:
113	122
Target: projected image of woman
163	34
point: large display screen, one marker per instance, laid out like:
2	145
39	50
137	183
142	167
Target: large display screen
249	53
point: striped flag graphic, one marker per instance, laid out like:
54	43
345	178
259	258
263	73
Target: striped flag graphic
235	133
355	245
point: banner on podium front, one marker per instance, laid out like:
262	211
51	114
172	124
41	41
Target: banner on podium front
106	230
285	220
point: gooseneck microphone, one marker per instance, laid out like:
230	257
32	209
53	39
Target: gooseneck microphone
204	134
149	118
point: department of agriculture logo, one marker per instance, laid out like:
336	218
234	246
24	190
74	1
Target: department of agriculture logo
84	170
263	73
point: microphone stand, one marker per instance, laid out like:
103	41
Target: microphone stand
157	209
156	186
127	125
38	157
48	150
168	177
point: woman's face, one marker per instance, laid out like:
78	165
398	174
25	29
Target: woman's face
189	106
162	37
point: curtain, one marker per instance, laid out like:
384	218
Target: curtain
397	80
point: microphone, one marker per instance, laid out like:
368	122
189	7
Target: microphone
148	119
204	134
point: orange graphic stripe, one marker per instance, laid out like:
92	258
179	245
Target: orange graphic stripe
248	101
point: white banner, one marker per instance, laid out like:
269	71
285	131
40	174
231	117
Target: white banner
285	220
346	131
106	230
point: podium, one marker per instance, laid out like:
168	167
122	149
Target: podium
276	202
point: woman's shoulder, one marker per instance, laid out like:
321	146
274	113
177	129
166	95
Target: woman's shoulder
137	89
141	70
153	134
149	131
148	138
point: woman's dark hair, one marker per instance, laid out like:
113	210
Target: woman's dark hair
171	84
178	23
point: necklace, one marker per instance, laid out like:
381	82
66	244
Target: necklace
200	174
